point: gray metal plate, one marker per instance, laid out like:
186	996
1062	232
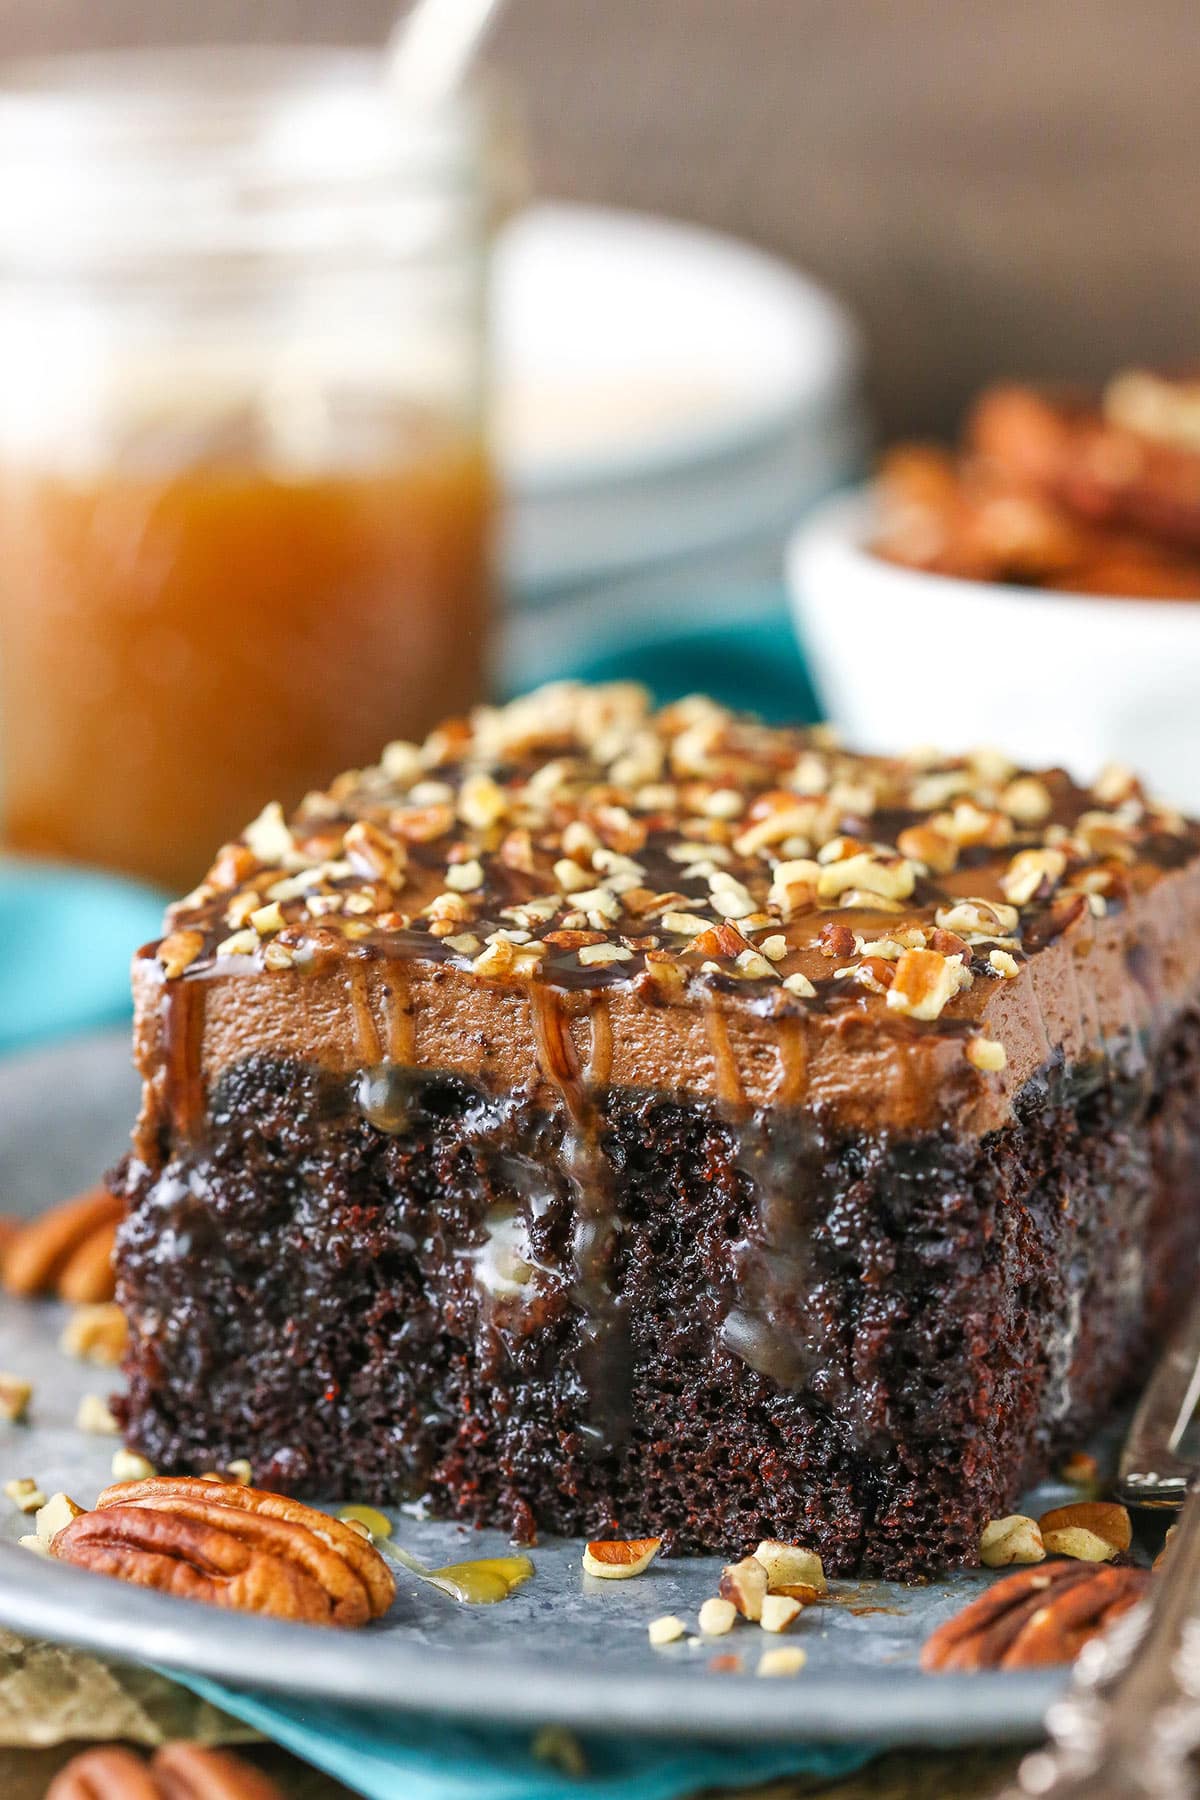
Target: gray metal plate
565	1648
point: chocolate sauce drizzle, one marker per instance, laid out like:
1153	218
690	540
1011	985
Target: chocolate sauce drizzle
772	1259
606	1356
383	1093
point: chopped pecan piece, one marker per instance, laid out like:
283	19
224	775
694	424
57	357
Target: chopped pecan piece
717	1616
1037	1617
921	844
96	1333
721	940
778	1611
422	824
948	943
15	1395
1012	1539
1080	1469
1054	921
923	982
791	1570
231	1546
178	951
835	940
619	1559
1103	1521
745	1584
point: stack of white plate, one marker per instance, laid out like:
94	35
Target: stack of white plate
668	402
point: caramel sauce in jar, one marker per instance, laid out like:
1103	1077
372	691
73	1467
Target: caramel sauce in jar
245	505
176	649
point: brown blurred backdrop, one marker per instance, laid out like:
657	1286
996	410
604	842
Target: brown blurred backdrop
996	185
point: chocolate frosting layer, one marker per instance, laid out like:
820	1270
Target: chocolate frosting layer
1100	989
574	892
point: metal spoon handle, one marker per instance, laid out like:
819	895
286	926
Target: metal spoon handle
1152	1472
433	44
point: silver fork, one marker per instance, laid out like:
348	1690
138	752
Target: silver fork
1128	1723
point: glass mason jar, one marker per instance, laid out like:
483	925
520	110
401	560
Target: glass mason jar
245	503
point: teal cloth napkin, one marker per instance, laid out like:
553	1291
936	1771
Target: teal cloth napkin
752	663
66	937
392	1757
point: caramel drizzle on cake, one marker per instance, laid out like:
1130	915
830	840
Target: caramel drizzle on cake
605	1361
576	839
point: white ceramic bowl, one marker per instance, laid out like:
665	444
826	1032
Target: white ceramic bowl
660	392
900	657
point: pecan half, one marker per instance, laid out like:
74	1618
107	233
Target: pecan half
190	1772
366	1562
87	1275
108	1773
67	1250
231	1546
1040	1616
178	1772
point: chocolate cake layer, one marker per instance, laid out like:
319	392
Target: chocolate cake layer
619	1122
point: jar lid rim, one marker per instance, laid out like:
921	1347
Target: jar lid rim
128	155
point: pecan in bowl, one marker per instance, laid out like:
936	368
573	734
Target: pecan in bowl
231	1546
1035	1618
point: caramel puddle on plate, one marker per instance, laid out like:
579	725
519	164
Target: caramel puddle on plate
858	1600
479	1583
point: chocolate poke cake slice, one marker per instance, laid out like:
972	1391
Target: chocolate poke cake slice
609	1121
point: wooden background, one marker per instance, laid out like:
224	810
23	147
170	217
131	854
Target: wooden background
996	185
